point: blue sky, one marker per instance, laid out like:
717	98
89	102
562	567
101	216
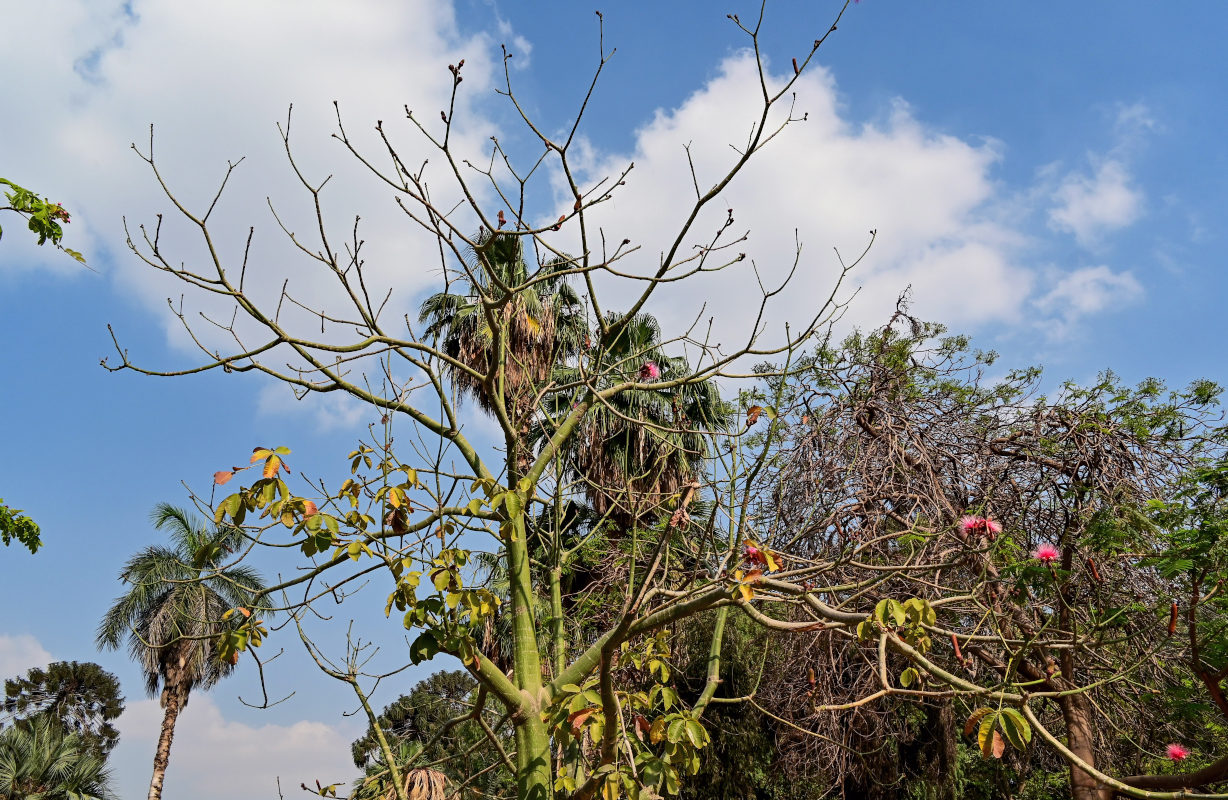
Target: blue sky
1046	177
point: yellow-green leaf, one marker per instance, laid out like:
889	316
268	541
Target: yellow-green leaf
985	736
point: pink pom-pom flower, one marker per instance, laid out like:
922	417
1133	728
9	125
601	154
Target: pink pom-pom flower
650	371
979	525
1047	553
1177	753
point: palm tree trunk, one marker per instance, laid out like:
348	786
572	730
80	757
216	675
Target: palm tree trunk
163	754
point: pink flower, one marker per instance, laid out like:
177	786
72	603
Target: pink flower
984	525
1046	553
1177	753
650	371
752	553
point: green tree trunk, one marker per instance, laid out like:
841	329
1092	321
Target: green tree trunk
533	772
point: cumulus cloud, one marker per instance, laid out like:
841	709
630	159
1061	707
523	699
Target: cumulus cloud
1090	205
252	754
943	222
214	86
930	196
21	653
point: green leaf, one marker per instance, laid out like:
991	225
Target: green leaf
424	648
696	734
675	731
1015	726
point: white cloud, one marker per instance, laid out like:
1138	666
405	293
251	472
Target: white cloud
930	196
19	654
212	755
214	85
1091	205
520	48
332	411
944	223
1086	291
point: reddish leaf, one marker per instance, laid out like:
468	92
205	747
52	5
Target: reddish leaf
975	720
244	612
999	745
752	415
221	477
309	509
577	721
642	727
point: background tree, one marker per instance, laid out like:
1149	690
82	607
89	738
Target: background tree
82	698
435	724
633	452
503	317
179	617
40	760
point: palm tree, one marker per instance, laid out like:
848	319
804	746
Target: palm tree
644	445
39	760
540	324
171	616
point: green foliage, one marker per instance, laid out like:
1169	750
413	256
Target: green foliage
39	761
177	615
416	728
15	526
82	698
43	217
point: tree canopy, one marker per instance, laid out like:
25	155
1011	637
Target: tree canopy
836	539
